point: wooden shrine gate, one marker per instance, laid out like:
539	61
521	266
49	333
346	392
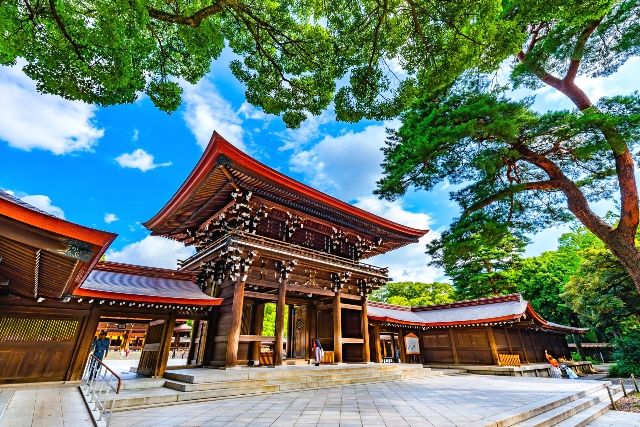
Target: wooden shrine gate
153	360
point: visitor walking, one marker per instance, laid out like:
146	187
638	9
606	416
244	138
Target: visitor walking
316	349
100	347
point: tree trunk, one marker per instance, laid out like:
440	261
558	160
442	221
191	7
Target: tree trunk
629	257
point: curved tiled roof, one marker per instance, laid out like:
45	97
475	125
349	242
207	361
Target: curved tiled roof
507	308
143	284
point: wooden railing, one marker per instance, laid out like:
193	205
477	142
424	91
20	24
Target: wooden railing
100	385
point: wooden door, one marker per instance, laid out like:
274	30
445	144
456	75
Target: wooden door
152	350
198	342
36	348
301	339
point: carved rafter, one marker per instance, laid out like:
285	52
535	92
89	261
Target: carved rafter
232	263
339	280
285	268
366	286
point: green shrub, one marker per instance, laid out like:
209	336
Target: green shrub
627	353
575	356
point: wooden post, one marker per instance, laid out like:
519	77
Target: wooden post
165	345
454	350
337	329
377	344
492	345
312	319
83	345
403	353
233	339
524	349
195	341
257	322
366	356
280	307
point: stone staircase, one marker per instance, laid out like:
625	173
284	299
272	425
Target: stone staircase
576	410
193	385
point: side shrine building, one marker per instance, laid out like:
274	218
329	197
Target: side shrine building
260	238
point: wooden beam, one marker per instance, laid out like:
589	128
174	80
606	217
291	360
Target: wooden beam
492	345
351	297
308	290
260	296
352	341
280	307
366	352
337	329
256	338
230	177
231	359
352	307
454	350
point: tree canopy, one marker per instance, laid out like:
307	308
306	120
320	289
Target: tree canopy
521	170
108	51
414	294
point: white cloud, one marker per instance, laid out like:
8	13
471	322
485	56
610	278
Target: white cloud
346	166
248	111
110	217
136	135
39	201
31	120
139	159
309	130
408	263
152	251
206	110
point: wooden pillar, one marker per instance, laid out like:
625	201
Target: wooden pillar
377	344
337	329
312	321
403	354
454	349
492	344
257	321
233	339
366	356
165	345
280	308
195	342
83	345
524	349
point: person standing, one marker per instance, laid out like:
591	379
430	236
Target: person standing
316	349
100	347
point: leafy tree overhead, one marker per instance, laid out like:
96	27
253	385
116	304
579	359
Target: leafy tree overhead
481	262
414	294
521	169
107	51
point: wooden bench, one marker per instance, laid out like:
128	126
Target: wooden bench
509	360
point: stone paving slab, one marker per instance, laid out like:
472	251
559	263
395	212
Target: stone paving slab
47	407
617	419
437	401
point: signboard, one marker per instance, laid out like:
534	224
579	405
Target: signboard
411	344
122	326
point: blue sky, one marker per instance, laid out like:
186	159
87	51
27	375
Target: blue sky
113	168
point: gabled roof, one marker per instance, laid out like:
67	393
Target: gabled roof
208	188
132	283
494	310
42	255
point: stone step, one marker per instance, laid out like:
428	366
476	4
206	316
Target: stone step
187	387
142	383
216	375
523	413
590	414
566	411
291	386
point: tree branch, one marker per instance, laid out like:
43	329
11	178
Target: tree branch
549	185
56	17
193	20
578	50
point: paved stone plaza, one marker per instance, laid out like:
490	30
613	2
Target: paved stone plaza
47	407
441	401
